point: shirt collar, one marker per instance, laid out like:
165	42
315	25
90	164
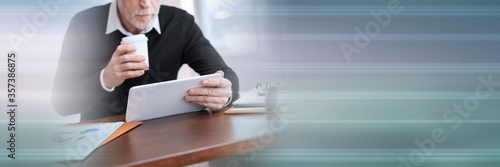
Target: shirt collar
115	24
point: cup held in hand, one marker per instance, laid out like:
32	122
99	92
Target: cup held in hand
140	42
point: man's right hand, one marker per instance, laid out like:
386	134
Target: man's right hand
123	65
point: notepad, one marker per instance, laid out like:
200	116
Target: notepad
254	102
246	110
250	99
255	97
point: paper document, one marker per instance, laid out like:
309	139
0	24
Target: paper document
80	141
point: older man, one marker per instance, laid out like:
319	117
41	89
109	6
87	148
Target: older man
95	72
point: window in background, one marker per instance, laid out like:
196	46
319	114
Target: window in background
229	25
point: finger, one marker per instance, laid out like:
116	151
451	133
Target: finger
207	91
130	74
216	82
131	58
206	99
133	66
212	106
124	49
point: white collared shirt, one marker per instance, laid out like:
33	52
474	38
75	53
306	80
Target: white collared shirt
115	24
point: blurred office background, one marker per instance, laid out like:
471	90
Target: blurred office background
363	109
376	107
373	109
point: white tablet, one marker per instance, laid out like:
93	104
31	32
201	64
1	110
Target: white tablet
162	99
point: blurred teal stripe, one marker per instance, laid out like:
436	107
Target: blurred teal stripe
358	8
343	150
380	37
36	155
363	11
392	95
370	7
400	121
392	68
376	155
344	159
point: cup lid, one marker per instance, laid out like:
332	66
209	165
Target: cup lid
134	38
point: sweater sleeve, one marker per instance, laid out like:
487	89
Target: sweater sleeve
77	87
202	56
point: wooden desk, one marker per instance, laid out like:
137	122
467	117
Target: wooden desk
181	140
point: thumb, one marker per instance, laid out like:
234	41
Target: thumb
220	72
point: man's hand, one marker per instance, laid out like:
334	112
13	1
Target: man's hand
123	65
214	94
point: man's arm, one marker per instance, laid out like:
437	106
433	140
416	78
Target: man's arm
204	59
68	96
77	87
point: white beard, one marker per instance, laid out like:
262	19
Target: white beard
144	24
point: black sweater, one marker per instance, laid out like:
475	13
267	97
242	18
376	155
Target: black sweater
87	49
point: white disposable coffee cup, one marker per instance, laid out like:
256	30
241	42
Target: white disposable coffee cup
141	44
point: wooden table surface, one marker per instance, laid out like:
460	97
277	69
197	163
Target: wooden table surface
181	140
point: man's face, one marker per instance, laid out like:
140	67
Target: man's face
139	13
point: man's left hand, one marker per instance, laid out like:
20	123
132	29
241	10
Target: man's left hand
214	94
